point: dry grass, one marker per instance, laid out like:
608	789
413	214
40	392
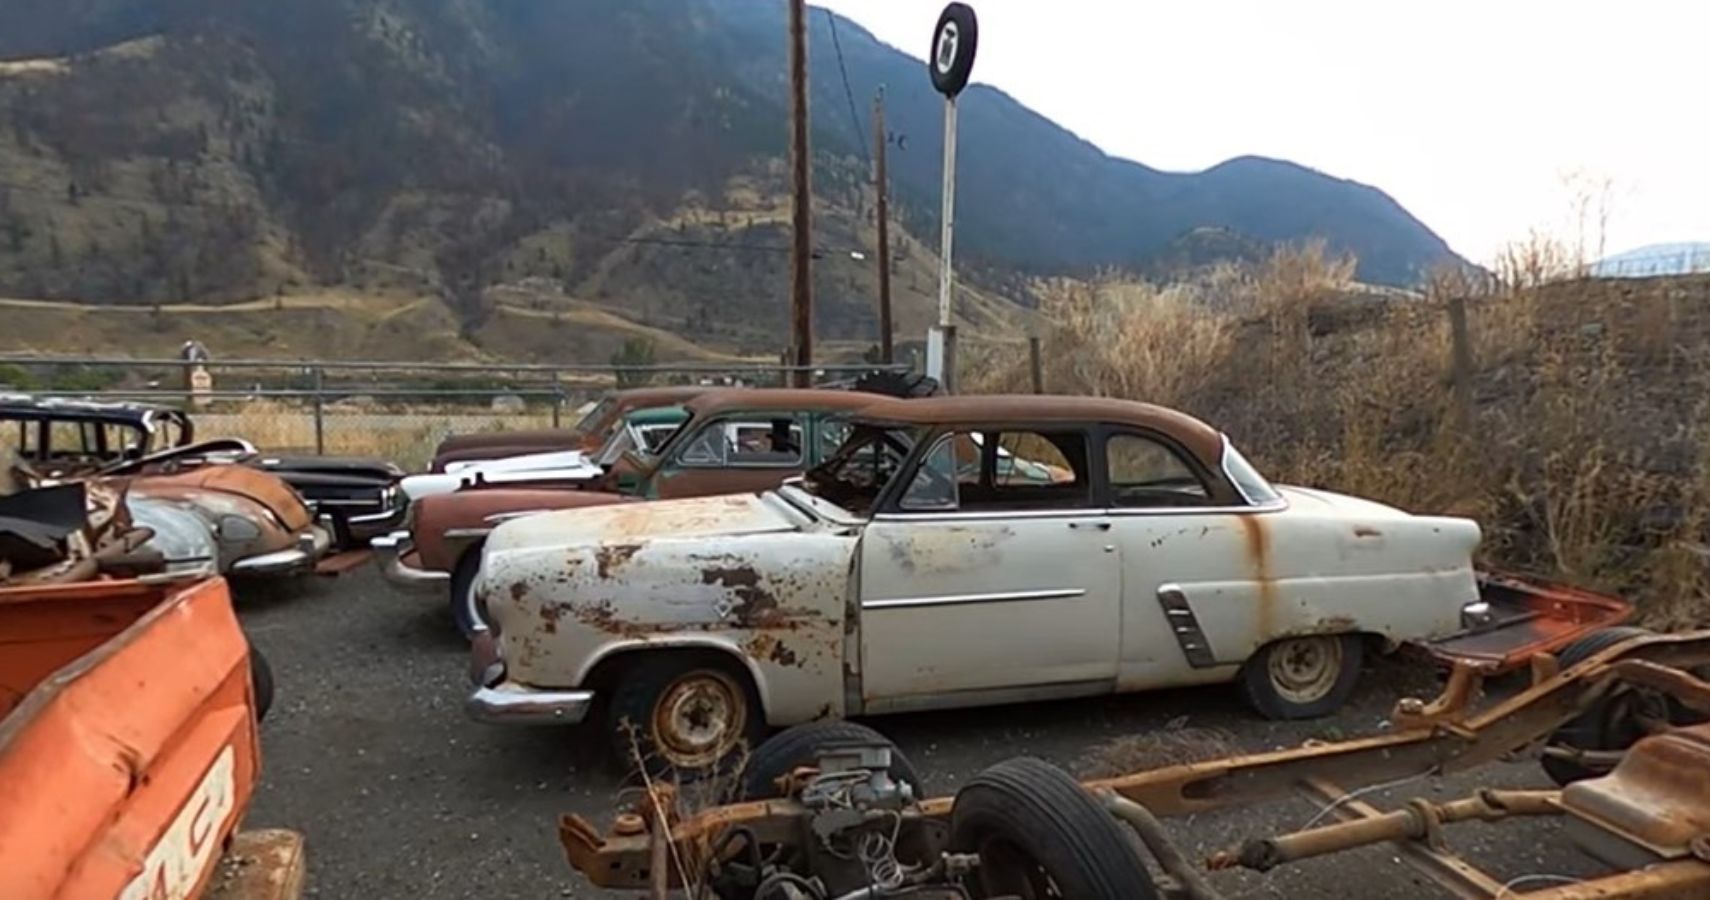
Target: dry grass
1584	450
404	435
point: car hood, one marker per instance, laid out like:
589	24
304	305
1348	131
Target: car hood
569	465
558	459
258	487
628	523
328	469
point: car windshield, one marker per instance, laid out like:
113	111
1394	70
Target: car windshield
853	476
595	417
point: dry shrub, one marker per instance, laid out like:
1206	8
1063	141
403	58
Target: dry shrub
1582	448
1173	745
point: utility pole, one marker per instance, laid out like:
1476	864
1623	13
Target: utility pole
801	255
887	353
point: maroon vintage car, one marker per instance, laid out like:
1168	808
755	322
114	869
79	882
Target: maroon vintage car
586	435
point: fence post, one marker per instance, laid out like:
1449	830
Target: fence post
1035	365
320	417
557	399
1462	360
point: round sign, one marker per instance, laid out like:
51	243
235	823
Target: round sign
953	44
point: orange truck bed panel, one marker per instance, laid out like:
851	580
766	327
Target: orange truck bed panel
128	748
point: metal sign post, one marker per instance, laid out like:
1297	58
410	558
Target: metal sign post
954	42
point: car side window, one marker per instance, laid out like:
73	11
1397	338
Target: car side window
1148	474
934	488
771	442
1004	471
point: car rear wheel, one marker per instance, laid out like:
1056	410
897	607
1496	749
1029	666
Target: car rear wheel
1040	835
467	610
1304	677
683	713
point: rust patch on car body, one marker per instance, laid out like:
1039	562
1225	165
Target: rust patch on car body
611	557
550	613
1258	553
767	646
756	607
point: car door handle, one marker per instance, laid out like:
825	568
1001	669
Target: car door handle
1090	526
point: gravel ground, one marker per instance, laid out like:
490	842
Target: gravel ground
368	753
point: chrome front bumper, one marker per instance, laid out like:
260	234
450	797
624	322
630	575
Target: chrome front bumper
498	701
389	552
507	703
312	544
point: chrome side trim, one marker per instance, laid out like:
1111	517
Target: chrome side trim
961	599
1184	626
464	534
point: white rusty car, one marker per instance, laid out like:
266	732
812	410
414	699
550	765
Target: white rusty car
957	552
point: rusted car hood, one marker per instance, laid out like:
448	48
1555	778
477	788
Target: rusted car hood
727	516
747	575
260	487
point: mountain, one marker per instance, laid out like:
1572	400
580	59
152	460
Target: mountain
630	155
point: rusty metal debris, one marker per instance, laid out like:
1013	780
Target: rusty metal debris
1650	817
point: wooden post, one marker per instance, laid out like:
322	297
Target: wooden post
801	271
557	400
1035	364
320	412
881	182
1462	361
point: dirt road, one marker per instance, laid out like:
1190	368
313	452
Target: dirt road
367	751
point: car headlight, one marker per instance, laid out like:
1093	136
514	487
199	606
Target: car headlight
237	530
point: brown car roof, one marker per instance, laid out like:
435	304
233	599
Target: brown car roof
1200	439
645	397
783	399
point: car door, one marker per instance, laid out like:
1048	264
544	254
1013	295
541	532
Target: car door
734	455
985	583
1178	543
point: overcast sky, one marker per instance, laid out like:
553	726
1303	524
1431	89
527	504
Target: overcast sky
1471	113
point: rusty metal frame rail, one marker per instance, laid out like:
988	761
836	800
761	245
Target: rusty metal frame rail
1429	739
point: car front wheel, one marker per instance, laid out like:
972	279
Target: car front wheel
1304	677
682	713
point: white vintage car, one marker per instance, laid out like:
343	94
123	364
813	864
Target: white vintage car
956	552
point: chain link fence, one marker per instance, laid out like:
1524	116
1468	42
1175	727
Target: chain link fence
393	410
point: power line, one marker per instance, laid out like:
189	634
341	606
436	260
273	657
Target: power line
848	94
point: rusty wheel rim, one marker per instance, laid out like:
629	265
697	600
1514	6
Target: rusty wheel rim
699	719
1305	670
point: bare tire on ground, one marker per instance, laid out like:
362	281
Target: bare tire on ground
466	609
1039	835
1613	723
1302	678
793	748
684	713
